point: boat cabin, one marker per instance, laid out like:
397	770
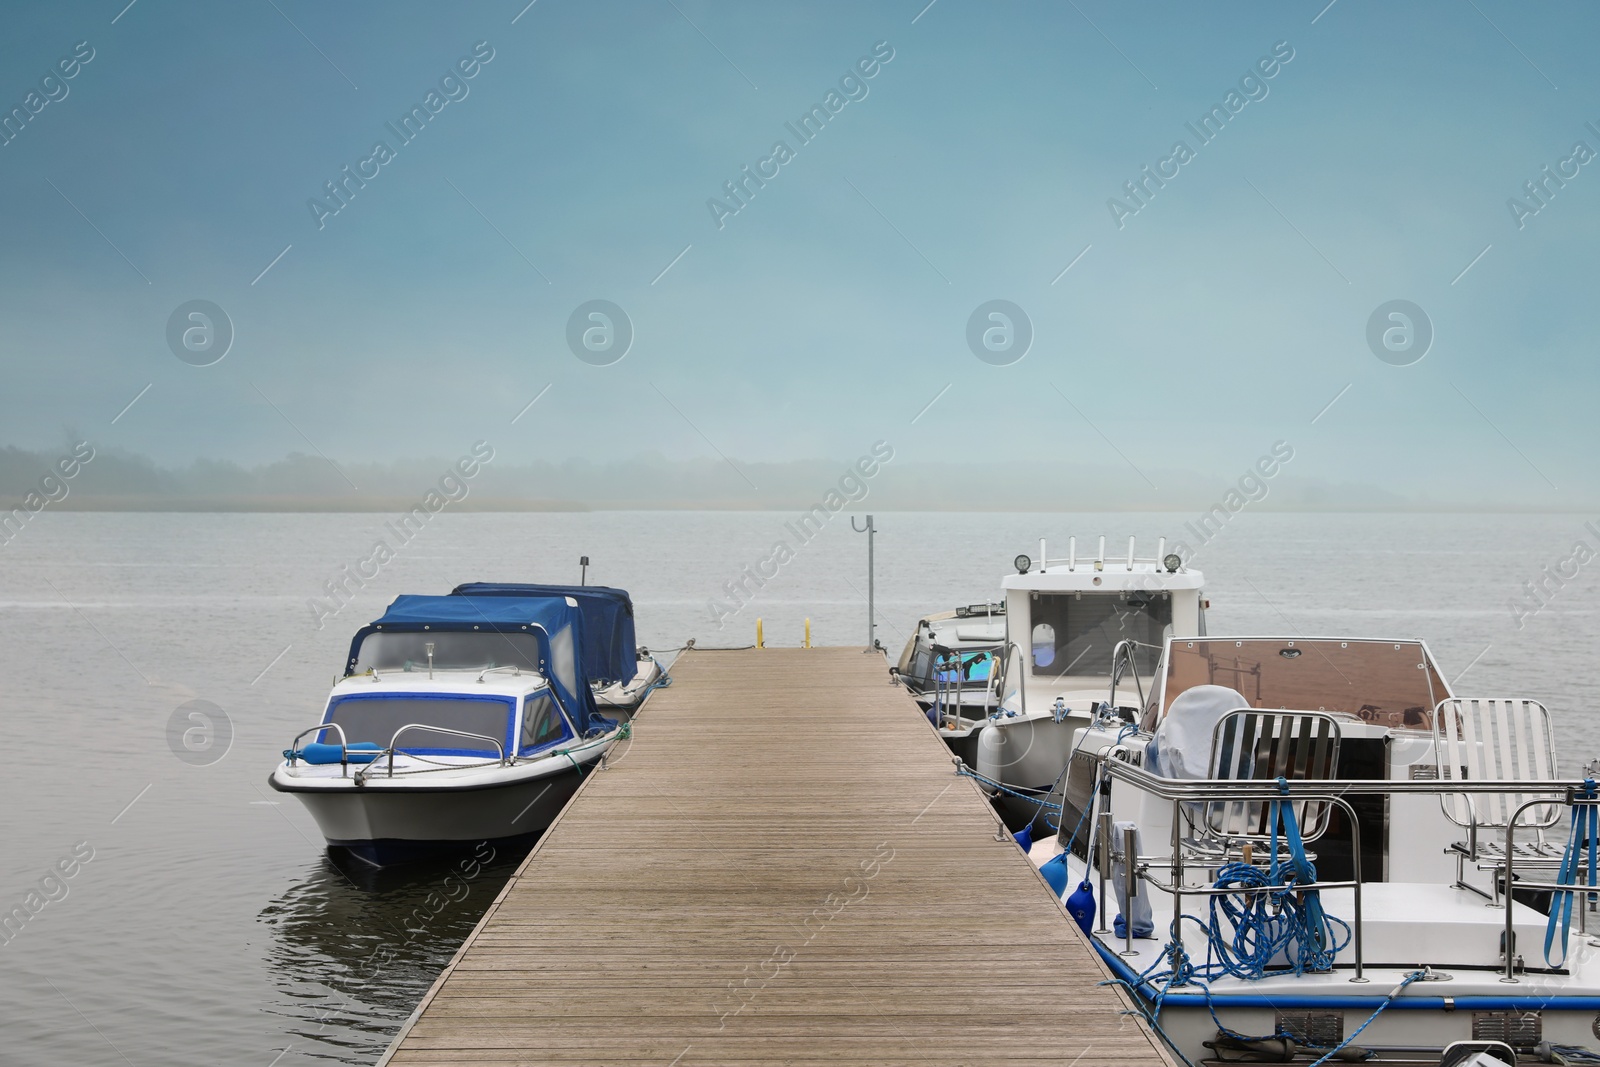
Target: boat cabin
1067	617
464	676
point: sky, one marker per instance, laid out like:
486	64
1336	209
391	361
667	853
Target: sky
1193	328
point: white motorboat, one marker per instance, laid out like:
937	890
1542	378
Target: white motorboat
1079	632
622	674
1320	836
460	719
951	667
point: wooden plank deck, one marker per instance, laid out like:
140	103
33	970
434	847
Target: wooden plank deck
781	868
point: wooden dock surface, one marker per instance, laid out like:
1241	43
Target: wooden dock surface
780	867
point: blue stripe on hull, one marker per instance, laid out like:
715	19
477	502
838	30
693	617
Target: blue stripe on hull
1531	1002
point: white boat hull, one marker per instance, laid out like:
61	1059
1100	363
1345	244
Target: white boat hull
626	699
394	820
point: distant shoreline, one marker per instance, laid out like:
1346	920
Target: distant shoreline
383	504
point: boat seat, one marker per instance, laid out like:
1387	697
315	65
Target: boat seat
1497	740
1252	744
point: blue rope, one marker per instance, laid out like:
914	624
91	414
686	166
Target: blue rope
1581	846
1276	917
1082	818
1395	992
1063	779
1185	973
968	772
661	682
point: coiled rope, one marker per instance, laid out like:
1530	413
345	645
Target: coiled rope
1267	915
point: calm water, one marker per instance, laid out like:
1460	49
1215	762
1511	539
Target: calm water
211	927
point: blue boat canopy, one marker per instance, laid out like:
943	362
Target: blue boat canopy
609	652
543	634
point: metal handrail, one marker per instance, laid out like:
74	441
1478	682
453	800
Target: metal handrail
1130	645
1565	792
499	748
1136	868
344	745
1004	672
1268	789
941	689
1572	801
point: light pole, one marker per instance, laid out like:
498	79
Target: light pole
872	619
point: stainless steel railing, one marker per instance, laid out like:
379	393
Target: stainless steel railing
1334	791
951	695
500	749
344	745
1588	895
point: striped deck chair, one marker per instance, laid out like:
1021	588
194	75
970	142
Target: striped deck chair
1253	744
1497	740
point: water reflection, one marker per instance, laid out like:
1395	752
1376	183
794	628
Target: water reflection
355	948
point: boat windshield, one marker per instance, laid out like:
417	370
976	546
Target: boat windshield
376	717
1076	633
469	650
1388	683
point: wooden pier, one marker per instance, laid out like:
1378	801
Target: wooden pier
780	867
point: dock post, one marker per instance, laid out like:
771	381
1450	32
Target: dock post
759	643
872	619
808	633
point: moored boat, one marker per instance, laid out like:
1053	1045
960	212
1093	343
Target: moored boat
459	719
1311	848
621	673
1078	632
951	666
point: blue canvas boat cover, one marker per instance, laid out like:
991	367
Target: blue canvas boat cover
553	622
609	653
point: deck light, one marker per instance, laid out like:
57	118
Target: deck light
1172	561
1022	563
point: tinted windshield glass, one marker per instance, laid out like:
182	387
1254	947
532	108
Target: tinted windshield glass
1075	634
1392	683
472	650
376	718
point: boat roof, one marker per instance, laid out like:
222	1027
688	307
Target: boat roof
556	623
1099	570
1115	575
609	652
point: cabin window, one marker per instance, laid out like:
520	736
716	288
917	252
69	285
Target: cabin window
1075	635
541	722
1044	645
376	718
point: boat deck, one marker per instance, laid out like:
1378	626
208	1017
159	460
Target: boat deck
779	867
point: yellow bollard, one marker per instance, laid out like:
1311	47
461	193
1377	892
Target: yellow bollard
758	635
808	633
